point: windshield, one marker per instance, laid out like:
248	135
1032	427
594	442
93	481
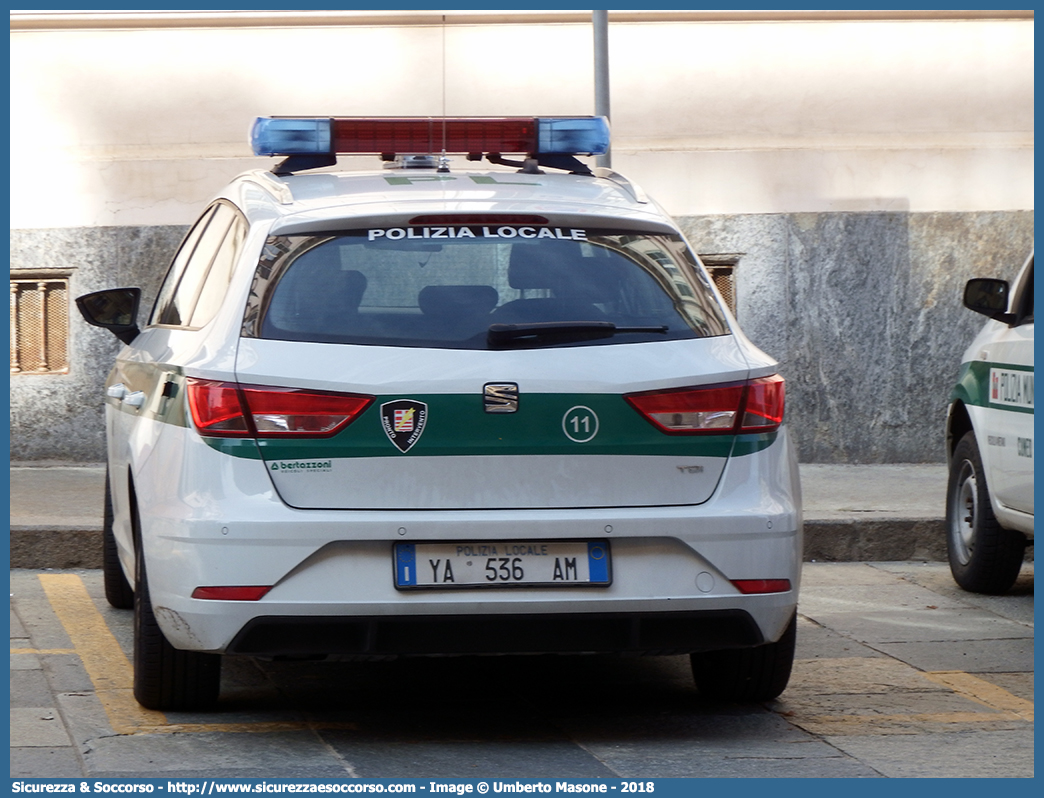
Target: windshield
445	287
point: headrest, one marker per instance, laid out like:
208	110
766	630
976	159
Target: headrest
561	267
453	300
542	264
349	286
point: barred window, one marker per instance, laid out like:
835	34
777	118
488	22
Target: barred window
722	268
40	323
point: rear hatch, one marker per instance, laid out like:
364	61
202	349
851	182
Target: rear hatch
487	366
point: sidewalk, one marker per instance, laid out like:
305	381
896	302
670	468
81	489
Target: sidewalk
852	513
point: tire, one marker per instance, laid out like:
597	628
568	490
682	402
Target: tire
984	557
746	674
166	678
118	591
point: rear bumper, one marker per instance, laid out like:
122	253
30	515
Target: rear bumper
559	633
214	520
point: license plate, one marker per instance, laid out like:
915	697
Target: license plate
552	563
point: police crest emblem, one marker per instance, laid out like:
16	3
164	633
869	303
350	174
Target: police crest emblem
403	421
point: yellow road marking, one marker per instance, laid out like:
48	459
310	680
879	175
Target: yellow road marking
43	651
111	672
1001	706
102	657
983	692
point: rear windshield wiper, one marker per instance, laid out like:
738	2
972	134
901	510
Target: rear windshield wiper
544	333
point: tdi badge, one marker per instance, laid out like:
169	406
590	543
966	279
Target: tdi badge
403	421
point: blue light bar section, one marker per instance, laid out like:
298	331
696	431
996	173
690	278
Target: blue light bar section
291	136
573	136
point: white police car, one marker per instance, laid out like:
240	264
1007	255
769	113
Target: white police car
435	410
989	432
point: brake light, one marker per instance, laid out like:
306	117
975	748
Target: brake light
479	218
428	135
731	408
225	409
754	586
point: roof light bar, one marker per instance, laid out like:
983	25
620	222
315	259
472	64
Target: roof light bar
428	135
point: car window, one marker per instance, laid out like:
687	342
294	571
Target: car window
178	305
1024	302
163	308
445	286
215	286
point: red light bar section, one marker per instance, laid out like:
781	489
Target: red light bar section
424	135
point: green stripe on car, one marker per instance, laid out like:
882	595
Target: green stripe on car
457	425
975	387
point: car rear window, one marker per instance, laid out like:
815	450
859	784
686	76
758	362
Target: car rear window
445	287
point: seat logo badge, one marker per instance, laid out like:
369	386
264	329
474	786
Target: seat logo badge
403	421
500	397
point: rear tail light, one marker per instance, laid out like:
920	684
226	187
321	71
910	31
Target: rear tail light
763	411
732	408
227	409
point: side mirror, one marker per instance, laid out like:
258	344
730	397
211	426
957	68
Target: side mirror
115	309
988	296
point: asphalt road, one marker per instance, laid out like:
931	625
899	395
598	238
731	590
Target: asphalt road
899	674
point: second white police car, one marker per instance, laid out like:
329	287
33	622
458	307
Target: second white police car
989	435
444	410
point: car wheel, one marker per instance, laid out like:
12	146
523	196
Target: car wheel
984	557
746	674
166	678
118	591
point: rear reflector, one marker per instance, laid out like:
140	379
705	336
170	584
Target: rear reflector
751	586
226	409
731	408
235	593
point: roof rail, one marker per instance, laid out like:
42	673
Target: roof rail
267	181
622	182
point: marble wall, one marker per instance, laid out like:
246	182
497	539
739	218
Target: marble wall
862	309
864	313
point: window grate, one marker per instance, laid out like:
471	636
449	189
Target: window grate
40	325
722	269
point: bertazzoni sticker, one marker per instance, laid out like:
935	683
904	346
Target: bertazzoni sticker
301	466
